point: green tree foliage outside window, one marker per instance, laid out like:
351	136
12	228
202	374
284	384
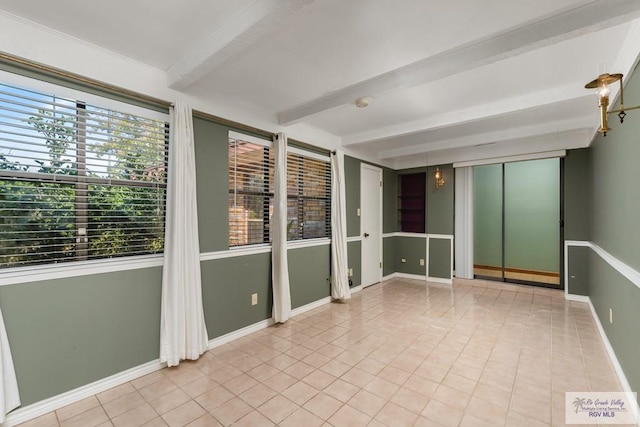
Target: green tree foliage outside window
77	182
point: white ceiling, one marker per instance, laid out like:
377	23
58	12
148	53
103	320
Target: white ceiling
442	77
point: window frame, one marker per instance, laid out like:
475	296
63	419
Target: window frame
80	264
265	194
300	197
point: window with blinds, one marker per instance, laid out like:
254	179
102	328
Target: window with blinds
78	181
251	167
308	195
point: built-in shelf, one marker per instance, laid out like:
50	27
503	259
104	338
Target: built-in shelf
412	202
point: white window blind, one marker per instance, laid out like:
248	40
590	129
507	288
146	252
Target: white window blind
250	190
308	195
78	181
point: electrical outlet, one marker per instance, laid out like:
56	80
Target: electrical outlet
403	260
351	272
358	212
422	261
254	299
610	315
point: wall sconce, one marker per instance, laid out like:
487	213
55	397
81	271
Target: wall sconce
439	178
601	84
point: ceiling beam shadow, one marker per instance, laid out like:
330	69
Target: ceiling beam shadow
251	21
589	17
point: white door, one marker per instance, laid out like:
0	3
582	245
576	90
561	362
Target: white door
371	223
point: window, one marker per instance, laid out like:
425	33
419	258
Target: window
78	181
308	195
250	190
251	166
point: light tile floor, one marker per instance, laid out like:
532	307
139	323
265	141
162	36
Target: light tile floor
400	353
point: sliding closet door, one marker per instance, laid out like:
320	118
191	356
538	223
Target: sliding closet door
532	221
487	218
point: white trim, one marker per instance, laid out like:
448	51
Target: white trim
632	275
43	407
37	409
404	234
356	289
355	239
403	276
242	332
236	252
508	159
16	275
612	356
622	268
262	249
308	243
577	298
449	280
306	153
628	272
248	138
310	306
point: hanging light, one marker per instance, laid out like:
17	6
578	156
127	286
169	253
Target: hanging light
439	178
601	85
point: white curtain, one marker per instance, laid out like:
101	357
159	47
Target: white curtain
9	396
183	333
464	222
279	262
339	274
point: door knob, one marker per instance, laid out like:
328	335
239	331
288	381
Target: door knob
366	234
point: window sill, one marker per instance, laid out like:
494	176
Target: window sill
16	275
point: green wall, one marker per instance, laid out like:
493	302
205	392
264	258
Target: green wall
309	274
440	201
578	269
412	249
389	201
615	204
212	178
577	194
227	285
577	217
389	215
352	194
354	258
66	333
440	258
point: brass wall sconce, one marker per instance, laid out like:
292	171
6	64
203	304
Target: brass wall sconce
439	178
601	84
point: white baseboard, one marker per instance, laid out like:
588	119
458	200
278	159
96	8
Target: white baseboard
310	306
403	276
43	407
223	339
440	280
578	298
37	409
357	289
612	355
